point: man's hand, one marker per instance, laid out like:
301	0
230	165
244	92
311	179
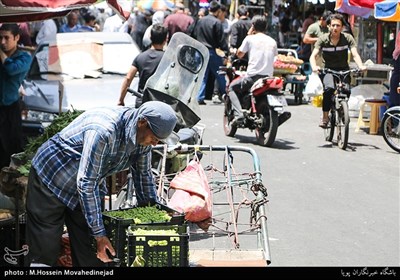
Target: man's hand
3	56
316	68
103	244
251	30
363	67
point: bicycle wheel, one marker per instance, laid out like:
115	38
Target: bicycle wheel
342	125
390	128
330	129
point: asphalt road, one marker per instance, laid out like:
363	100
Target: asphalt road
327	207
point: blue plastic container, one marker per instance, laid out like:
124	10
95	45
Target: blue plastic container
383	108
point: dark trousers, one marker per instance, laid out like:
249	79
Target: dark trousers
46	216
330	82
238	88
10	132
213	65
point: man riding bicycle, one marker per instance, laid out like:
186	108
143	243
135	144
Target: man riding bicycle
334	48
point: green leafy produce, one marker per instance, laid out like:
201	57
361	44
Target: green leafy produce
140	215
33	144
23	169
56	126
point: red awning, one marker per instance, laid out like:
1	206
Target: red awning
364	3
28	10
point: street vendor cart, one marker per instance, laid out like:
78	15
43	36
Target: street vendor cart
294	71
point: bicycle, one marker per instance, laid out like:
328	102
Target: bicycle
390	127
339	114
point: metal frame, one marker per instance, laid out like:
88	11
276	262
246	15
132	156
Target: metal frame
227	181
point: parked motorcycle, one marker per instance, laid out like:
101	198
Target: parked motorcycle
264	107
176	82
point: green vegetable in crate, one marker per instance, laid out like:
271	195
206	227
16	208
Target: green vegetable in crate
140	215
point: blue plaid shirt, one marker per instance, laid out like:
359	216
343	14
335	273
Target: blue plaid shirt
75	162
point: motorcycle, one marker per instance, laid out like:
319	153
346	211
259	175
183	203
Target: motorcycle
176	82
264	106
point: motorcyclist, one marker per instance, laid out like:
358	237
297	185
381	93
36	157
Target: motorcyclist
261	50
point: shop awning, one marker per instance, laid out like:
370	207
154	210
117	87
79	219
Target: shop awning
343	6
319	1
364	3
28	10
388	10
156	4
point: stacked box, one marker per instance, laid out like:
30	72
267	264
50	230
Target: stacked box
163	249
116	228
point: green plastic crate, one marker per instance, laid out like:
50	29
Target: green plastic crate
116	229
159	250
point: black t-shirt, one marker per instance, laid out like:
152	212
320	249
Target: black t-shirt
147	63
335	57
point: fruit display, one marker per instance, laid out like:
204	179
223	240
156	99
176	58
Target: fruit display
286	64
289	59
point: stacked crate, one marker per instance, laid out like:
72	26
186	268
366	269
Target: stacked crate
117	228
158	246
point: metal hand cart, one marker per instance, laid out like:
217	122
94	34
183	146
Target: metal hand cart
237	232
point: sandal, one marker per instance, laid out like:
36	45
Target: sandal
324	123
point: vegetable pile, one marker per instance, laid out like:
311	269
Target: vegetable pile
140	215
33	144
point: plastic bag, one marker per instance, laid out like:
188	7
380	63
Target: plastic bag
192	194
314	85
317	101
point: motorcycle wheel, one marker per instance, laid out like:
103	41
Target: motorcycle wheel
229	129
390	128
266	134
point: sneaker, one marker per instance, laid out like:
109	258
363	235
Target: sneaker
216	99
201	102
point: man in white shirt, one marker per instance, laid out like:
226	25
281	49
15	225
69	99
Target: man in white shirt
261	50
115	24
47	31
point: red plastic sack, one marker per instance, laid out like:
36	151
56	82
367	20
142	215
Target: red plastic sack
192	195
